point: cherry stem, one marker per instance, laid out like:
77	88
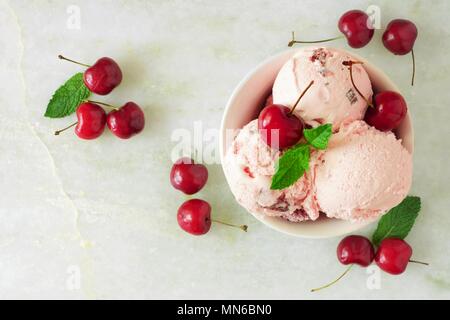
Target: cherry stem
414	67
350	64
293	41
103	104
419	262
242	227
301	96
333	282
62	130
73	61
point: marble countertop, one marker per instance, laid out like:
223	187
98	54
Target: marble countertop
97	219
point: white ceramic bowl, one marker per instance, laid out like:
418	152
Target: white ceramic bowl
246	102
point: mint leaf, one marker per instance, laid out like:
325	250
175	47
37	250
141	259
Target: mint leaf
68	97
318	137
290	167
398	221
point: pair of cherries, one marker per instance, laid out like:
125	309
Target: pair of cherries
194	215
399	36
392	255
124	122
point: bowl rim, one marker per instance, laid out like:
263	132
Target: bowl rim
238	90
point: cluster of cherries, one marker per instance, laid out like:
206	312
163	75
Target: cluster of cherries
194	215
398	38
388	108
392	255
124	122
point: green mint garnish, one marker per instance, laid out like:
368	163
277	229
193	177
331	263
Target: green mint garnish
291	166
318	137
68	97
398	221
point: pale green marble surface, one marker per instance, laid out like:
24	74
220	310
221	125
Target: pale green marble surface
106	208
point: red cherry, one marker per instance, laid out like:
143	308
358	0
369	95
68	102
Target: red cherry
389	111
352	250
194	216
91	121
127	121
103	76
355	249
354	25
279	128
393	255
187	176
400	36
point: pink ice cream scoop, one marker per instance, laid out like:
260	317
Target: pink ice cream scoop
333	98
249	167
363	173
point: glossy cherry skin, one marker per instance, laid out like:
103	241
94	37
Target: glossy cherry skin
400	36
388	112
393	255
278	128
194	216
188	176
91	121
102	77
354	25
355	249
127	121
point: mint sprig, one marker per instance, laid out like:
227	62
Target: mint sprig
398	221
68	97
293	164
318	137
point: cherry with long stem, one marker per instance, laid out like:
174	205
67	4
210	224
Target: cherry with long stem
301	96
334	281
242	227
350	64
73	61
293	41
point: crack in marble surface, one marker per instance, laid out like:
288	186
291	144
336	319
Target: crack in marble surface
86	264
83	243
